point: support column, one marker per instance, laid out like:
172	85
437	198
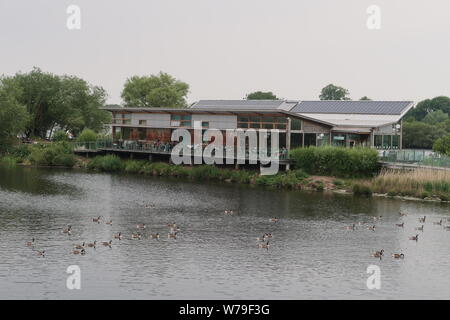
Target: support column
288	134
401	134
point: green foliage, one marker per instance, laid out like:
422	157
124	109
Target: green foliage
87	135
54	154
427	106
108	163
336	161
13	115
8	161
332	92
59	136
435	117
260	95
156	91
442	145
134	166
361	190
420	134
51	100
365	98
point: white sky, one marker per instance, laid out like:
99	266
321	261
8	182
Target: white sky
227	48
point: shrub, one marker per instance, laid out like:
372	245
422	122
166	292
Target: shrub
361	190
54	154
108	163
59	136
336	161
8	161
133	166
87	135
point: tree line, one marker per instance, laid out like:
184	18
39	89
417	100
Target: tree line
37	104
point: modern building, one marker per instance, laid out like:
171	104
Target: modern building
376	124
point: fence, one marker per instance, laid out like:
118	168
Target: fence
419	157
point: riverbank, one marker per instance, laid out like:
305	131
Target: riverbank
419	184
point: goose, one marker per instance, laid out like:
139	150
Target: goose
378	254
136	236
118	236
398	255
172	235
401	225
414	238
403	214
438	223
155	236
422	220
273	219
80	246
82	252
372	228
92	245
172	225
41	253
141	226
263	238
97	219
377	218
30	243
264	245
352	227
447	228
68	230
107	244
420	228
109	222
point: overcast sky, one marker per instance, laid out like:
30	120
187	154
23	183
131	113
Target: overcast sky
226	48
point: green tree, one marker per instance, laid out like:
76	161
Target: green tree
155	91
365	98
435	117
53	101
417	134
260	95
13	115
427	106
442	145
332	92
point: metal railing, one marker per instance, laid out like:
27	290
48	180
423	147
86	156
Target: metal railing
150	147
418	157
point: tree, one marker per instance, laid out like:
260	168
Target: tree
156	91
65	102
365	98
417	134
332	92
435	117
260	95
427	106
13	115
442	145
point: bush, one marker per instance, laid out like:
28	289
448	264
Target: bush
133	166
108	163
54	154
87	135
59	136
8	161
336	161
361	190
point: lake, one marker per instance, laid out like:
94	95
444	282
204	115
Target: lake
215	256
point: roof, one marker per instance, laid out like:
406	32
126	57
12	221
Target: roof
244	104
353	107
360	120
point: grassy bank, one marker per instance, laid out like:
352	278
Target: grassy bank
315	169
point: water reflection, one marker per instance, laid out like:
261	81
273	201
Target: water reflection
215	255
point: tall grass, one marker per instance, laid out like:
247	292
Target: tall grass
419	183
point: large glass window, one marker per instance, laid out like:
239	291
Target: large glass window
378	141
310	139
177	120
339	140
296	124
296	140
262	122
323	139
387	141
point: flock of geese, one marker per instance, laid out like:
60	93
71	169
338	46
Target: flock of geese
422	220
80	249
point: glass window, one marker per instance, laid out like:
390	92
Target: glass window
387	140
142	122
255	125
296	124
243	125
126	115
267	119
205	124
186	117
242	119
378	141
310	139
395	142
255	119
127	121
280	126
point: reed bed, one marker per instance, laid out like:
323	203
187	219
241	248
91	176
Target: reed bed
419	183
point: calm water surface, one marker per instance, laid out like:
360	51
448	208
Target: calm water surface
311	255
